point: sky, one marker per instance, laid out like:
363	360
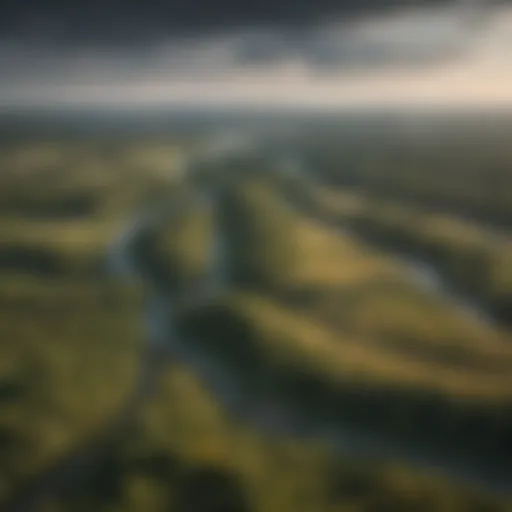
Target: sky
451	54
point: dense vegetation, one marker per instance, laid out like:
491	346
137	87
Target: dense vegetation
452	167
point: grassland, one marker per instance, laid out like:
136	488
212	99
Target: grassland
473	258
323	303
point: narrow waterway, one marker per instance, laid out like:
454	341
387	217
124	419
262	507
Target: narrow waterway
420	271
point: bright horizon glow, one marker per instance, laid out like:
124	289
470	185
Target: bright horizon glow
452	87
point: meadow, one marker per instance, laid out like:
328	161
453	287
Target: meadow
330	312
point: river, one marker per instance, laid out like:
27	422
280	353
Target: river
274	415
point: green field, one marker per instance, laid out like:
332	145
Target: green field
315	301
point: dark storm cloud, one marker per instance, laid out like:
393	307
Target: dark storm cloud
403	38
110	21
57	53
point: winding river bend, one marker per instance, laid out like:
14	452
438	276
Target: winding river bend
276	415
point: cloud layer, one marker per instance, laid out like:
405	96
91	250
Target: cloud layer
420	57
111	21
